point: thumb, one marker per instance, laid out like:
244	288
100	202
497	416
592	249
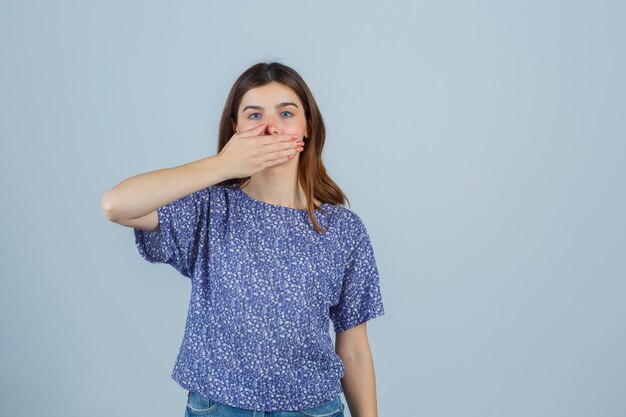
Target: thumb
254	131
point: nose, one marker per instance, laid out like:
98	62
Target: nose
272	127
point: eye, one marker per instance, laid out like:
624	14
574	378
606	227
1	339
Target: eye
288	112
250	116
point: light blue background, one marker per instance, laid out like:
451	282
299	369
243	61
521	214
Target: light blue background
483	144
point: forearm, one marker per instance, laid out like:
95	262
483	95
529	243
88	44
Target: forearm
141	194
359	385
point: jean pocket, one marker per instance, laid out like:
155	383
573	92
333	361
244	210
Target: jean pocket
332	408
199	405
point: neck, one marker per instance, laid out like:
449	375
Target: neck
277	185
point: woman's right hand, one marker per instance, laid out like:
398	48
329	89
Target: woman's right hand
248	152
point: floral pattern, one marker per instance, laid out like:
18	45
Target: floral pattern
265	287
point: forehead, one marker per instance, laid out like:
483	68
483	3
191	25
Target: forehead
269	95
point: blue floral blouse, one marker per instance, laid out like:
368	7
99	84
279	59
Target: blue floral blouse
264	285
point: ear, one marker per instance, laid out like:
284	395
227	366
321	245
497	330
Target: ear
234	125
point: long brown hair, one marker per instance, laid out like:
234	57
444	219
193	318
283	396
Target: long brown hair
311	171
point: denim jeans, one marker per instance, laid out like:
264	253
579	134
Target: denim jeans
199	405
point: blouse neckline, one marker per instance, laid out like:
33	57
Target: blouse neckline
254	202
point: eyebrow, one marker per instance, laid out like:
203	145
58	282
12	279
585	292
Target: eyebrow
283	104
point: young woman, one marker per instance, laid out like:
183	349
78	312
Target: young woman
272	255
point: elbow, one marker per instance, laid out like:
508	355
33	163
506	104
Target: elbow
107	206
356	355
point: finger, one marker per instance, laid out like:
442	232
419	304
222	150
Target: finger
284	145
270	139
278	161
285	153
255	131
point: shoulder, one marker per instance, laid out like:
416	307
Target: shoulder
347	216
208	199
348	223
219	193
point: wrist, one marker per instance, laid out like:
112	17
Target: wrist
218	167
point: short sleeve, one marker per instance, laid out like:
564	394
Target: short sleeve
179	236
360	299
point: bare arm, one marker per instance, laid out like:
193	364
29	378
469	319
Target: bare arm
134	201
359	381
